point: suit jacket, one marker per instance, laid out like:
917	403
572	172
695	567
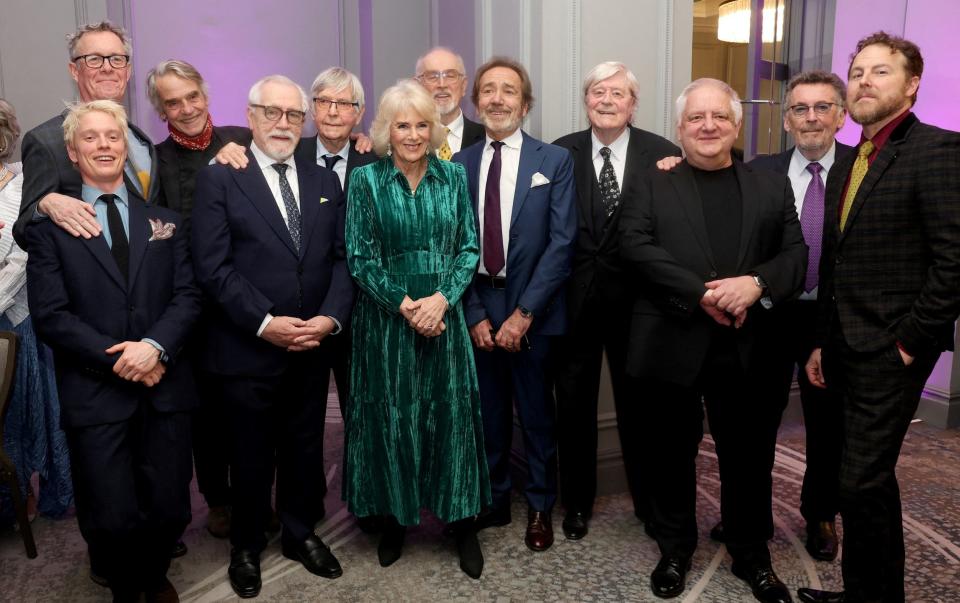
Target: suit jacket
472	133
307	151
81	306
893	274
247	264
48	169
664	241
780	162
597	268
543	229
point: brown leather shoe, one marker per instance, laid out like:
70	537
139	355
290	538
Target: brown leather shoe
539	531
822	543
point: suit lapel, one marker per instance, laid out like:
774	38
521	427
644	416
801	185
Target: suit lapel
169	171
101	251
254	186
688	197
748	184
886	155
634	165
531	158
308	183
151	193
584	177
836	179
471	161
140	232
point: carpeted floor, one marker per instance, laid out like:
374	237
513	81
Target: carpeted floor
612	563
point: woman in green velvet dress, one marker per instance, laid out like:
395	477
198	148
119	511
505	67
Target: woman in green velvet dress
414	432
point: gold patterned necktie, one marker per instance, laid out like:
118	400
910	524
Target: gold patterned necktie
860	167
445	152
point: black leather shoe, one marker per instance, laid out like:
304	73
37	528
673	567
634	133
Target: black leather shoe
493	518
764	583
575	525
822	543
179	550
669	578
717	534
391	542
314	555
810	595
468	548
245	573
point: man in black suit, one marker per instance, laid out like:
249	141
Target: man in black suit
889	298
117	309
179	94
610	160
714	244
269	250
813	113
441	71
100	65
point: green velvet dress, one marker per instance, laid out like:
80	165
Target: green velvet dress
414	435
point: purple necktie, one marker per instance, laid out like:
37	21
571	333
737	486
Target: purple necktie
492	234
811	222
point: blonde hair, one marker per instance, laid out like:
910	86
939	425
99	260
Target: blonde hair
72	122
405	94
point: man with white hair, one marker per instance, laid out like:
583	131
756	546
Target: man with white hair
714	244
441	71
268	245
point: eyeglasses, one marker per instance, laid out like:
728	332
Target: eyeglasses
819	109
324	104
95	61
294	117
432	77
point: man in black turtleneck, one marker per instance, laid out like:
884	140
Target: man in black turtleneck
715	245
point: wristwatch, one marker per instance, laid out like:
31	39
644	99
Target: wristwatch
524	312
761	284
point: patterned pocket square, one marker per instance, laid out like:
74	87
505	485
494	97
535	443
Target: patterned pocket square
539	180
161	230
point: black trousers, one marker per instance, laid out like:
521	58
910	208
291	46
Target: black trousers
601	327
880	396
277	422
743	421
132	487
211	441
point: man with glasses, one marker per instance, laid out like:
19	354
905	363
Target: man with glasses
813	114
100	65
268	249
442	73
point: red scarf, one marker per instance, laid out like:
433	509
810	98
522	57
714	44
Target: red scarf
195	143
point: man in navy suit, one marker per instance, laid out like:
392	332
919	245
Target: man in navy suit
116	309
269	251
523	192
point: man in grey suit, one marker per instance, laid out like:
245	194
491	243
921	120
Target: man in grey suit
100	65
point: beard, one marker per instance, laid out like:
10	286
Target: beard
505	124
279	150
881	110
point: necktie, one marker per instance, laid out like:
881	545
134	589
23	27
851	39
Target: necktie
811	222
860	167
331	160
290	203
445	152
119	246
492	235
609	191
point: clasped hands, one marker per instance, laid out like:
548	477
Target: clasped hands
510	336
727	300
139	362
425	315
297	335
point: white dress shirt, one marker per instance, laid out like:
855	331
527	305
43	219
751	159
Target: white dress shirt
340	168
618	155
273	177
455	134
800	179
509	166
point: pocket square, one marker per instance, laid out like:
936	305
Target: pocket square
539	180
323	200
161	230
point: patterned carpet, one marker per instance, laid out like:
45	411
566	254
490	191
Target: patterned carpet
612	563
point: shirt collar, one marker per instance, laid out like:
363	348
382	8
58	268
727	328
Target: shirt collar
514	141
618	148
456	126
434	170
91	194
323	150
264	161
880	138
799	163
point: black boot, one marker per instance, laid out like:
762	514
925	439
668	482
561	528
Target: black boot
391	541
468	547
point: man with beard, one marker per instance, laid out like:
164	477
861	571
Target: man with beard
269	251
442	73
889	298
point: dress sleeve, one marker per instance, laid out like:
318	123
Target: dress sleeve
460	275
364	251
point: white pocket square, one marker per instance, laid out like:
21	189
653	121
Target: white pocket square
539	180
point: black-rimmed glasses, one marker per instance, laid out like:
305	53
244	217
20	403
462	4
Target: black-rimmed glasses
95	61
294	117
324	104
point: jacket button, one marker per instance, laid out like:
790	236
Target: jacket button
299	269
132	308
713	274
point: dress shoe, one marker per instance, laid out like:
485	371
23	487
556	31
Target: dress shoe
539	531
822	543
468	548
179	550
810	595
391	542
717	534
218	521
493	518
166	593
670	576
575	525
314	555
764	583
245	573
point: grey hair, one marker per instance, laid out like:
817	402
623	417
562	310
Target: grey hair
255	91
608	69
816	76
182	70
735	107
74	38
9	130
336	79
405	94
418	68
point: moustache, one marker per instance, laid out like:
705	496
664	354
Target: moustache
281	134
